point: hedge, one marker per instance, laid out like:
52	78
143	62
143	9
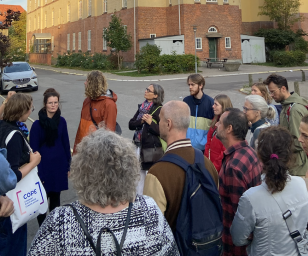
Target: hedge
291	58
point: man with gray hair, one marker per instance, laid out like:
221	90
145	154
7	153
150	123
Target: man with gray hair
165	181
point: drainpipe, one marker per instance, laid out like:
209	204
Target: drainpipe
135	43
179	16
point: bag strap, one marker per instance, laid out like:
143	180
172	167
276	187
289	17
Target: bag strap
97	248
93	121
287	216
175	159
10	136
155	110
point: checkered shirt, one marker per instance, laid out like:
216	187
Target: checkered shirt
240	170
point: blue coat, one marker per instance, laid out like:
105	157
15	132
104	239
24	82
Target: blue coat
55	162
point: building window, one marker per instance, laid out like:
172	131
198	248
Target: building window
68	12
38	3
152	35
53	17
80	9
125	28
34	25
34	4
45	1
29	24
198	1
59	18
74	42
45	19
52	43
228	42
212	29
226	1
89	7
79	41
105	5
38	22
170	2
104	40
211	0
29	45
30	6
68	42
198	43
124	3
89	40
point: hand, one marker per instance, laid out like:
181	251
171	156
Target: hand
7	206
147	118
35	158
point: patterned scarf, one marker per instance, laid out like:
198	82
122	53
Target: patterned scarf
23	127
144	109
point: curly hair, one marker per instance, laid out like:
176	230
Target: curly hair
105	170
16	106
275	140
97	84
278	80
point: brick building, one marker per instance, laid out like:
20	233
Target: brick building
5	7
78	25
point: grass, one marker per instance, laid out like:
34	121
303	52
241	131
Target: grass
271	64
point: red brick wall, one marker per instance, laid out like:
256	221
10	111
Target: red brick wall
40	58
249	28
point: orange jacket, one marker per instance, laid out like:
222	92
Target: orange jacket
104	109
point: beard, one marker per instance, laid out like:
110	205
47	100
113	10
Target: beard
194	92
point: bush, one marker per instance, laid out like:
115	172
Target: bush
148	58
301	44
292	58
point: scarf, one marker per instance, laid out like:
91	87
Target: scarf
144	109
50	126
23	128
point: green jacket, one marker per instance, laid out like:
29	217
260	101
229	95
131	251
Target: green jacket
290	118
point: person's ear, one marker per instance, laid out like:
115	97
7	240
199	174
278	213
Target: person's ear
229	129
169	124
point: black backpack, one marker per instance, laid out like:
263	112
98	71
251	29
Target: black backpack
199	223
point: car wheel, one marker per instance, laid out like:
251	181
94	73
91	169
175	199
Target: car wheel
35	89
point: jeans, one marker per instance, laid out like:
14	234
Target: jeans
12	244
54	201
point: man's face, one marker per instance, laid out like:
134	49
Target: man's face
275	92
303	138
163	125
194	89
221	131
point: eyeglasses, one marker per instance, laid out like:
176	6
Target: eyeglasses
53	103
148	90
33	108
273	92
246	109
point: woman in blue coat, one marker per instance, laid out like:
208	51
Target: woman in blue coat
49	136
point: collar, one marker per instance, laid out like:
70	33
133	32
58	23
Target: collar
235	147
179	144
257	124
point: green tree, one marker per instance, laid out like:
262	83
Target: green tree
17	34
117	37
284	12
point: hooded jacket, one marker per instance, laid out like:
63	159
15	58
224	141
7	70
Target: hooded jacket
104	109
293	110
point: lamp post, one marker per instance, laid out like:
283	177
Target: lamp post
196	66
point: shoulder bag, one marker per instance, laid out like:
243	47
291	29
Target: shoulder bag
97	248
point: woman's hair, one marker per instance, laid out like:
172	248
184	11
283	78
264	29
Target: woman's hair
275	140
16	106
50	92
265	94
105	170
159	91
97	84
225	103
258	103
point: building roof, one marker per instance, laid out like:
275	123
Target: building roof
5	7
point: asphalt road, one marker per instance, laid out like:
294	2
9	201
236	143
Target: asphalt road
71	89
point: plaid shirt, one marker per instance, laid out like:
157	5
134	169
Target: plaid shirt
240	170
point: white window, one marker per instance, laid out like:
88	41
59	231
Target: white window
38	22
30	6
124	3
105	5
198	43
197	0
45	1
52	43
152	35
89	40
211	0
89	7
212	29
170	2
68	42
228	42
74	42
226	1
53	17
80	9
45	19
39	3
79	41
104	40
68	12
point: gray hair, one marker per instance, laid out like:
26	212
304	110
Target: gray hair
159	91
105	170
261	105
179	113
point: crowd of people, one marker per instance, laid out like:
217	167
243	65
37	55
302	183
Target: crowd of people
199	177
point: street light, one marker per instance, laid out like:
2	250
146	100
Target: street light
196	66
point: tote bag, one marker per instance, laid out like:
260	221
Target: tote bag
29	196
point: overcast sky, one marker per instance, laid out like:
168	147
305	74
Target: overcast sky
23	3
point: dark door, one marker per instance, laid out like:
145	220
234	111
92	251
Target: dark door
212	48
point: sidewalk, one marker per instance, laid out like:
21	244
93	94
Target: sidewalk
206	72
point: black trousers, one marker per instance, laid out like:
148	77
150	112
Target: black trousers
54	201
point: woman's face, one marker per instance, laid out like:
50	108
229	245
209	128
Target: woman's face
251	114
217	108
149	93
25	116
52	105
255	91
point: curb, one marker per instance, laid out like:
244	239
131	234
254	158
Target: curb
177	78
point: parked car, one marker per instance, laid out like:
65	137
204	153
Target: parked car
18	77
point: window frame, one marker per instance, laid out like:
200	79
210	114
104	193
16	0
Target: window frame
68	42
228	47
105	6
52	17
74	42
211	1
89	40
52	43
79	41
45	20
124	3
89	8
152	35
80	9
68	12
196	42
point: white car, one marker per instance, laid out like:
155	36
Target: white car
19	76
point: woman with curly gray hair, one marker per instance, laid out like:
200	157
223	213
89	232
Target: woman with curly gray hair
104	172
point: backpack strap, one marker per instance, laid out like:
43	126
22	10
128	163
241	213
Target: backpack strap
93	121
175	159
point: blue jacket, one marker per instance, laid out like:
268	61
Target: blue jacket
201	115
8	178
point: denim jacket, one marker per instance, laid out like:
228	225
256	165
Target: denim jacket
8	178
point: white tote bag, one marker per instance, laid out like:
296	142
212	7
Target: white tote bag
29	196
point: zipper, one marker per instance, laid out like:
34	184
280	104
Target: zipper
195	191
196	244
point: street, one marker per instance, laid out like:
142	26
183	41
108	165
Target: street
71	89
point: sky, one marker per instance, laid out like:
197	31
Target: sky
23	3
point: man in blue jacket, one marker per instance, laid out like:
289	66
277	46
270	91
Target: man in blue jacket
201	111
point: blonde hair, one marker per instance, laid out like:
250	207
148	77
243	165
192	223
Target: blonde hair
97	84
225	103
16	106
263	89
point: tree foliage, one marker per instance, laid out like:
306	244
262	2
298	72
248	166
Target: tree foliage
17	34
117	37
284	12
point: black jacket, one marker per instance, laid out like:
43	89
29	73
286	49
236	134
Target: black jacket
150	133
